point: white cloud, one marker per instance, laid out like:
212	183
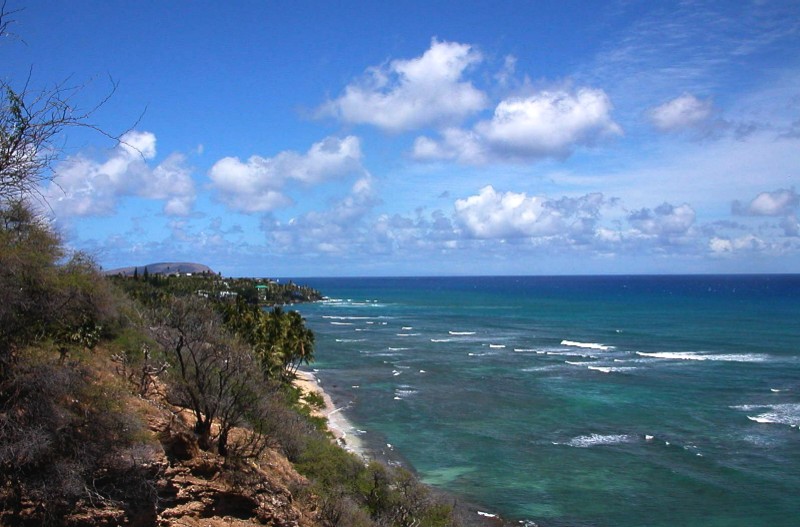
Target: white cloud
549	123
408	94
85	187
493	214
720	246
336	230
463	146
780	202
137	143
169	179
545	124
257	184
746	243
179	206
686	111
608	236
666	220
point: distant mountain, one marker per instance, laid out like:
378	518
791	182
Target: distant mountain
162	268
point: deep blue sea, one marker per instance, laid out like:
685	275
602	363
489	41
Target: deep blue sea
582	401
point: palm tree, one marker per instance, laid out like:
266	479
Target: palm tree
300	343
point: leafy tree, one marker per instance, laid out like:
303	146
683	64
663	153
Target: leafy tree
280	339
299	343
41	299
33	303
28	252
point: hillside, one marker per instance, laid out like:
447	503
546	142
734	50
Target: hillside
164	268
140	402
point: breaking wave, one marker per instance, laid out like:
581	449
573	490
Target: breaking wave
586	345
699	356
587	441
779	414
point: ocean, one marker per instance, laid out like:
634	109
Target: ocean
612	401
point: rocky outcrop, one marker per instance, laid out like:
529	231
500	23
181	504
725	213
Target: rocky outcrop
189	495
193	488
204	489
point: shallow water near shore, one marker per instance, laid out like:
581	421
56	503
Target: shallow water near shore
589	401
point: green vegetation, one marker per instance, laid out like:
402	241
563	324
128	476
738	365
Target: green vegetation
358	494
73	343
61	424
82	356
260	291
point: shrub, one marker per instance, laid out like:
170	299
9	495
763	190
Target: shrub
65	436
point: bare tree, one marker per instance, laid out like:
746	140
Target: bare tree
32	123
212	374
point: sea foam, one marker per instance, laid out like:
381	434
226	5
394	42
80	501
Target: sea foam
587	441
586	345
612	369
779	414
339	317
699	356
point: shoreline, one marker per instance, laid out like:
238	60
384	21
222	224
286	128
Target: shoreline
338	425
345	435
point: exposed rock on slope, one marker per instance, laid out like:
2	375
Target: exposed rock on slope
198	488
194	488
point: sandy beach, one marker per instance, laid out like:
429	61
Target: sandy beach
342	430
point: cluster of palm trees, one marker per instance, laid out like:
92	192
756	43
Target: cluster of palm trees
280	339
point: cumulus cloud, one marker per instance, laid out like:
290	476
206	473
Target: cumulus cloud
257	185
139	143
408	94
720	246
780	202
335	230
549	123
463	146
686	111
84	186
665	221
493	214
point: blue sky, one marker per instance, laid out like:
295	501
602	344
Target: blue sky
425	138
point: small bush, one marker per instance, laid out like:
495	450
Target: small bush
314	400
65	437
329	465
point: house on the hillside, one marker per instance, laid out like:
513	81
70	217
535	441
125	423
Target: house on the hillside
262	291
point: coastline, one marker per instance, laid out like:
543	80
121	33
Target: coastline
345	435
339	426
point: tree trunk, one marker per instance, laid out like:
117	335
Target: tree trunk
203	430
222	443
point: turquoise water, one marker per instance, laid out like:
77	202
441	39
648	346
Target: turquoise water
587	401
